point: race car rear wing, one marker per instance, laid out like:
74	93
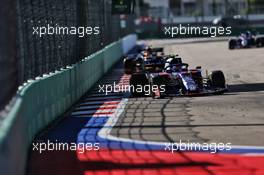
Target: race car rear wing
157	49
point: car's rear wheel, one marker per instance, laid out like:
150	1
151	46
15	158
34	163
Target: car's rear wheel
218	79
260	42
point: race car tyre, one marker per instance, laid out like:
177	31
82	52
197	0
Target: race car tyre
136	81
252	42
259	42
232	44
157	81
218	79
128	66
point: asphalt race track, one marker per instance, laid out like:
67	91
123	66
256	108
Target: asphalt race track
237	117
133	132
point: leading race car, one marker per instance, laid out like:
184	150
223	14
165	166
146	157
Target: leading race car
147	57
178	80
246	40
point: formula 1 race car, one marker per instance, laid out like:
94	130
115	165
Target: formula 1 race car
246	40
146	57
178	80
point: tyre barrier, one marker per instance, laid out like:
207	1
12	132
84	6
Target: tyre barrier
41	101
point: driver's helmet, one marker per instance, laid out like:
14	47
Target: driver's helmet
144	55
243	35
248	34
172	64
139	57
148	48
175	68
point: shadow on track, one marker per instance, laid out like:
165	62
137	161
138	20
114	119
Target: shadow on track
253	87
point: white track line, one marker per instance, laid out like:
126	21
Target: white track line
105	132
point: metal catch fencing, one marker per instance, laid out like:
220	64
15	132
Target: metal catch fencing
34	55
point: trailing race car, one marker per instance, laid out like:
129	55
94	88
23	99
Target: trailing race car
246	40
147	57
178	80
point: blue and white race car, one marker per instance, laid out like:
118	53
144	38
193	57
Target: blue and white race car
246	40
177	80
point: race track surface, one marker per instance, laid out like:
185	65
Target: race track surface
236	117
133	132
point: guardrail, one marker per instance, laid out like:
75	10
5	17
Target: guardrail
41	101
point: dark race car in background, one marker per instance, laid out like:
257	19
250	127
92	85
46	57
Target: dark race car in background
246	40
144	58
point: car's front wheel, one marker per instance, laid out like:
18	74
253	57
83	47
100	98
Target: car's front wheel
232	44
217	80
137	83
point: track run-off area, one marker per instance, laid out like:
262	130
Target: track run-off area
132	132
